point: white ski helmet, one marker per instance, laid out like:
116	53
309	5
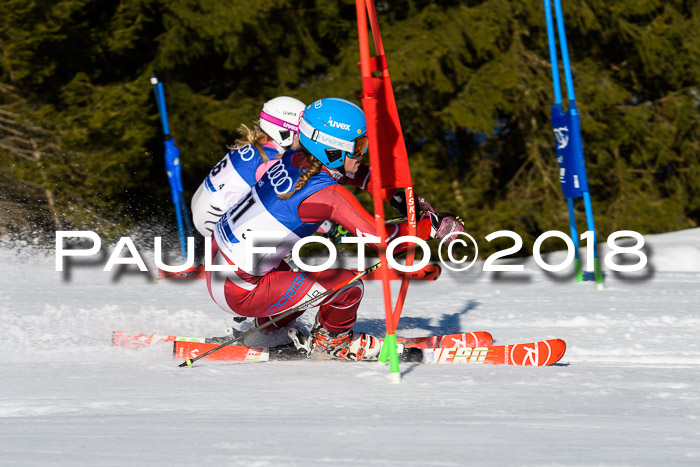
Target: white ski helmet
279	119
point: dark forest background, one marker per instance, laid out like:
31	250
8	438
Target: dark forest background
81	144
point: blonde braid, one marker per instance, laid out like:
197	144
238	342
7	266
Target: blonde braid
315	167
255	137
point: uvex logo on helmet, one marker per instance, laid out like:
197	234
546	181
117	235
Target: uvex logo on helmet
342	126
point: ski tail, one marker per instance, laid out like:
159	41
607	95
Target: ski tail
232	353
127	339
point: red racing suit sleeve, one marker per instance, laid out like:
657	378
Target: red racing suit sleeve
337	204
362	180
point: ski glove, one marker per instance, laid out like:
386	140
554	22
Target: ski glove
398	202
336	233
444	224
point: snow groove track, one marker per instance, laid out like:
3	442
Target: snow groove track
627	391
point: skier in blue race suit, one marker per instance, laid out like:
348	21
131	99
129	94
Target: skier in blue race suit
232	177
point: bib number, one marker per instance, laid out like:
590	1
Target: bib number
218	167
240	209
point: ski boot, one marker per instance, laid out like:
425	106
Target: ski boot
348	345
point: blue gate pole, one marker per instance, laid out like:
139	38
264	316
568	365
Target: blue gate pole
569	148
186	212
574	237
574	111
564	51
553	53
558	107
172	167
597	271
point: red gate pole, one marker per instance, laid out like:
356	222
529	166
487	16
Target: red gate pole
369	104
390	102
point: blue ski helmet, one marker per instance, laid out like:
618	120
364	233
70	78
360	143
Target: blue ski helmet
331	129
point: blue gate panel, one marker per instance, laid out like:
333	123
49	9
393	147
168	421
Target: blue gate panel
569	151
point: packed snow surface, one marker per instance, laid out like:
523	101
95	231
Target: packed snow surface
627	392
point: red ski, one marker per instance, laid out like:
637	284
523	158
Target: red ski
193	273
540	353
429	273
466	339
126	339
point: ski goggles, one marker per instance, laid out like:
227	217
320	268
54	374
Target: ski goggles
361	146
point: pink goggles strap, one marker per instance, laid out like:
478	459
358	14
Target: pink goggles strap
276	121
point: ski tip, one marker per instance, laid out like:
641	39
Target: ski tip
558	349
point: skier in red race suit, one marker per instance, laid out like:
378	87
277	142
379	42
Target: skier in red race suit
293	198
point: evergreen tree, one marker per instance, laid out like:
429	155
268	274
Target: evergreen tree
472	81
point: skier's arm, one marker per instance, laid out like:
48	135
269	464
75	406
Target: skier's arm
362	179
396	199
337	204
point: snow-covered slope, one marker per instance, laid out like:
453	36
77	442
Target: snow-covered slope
626	392
667	252
676	251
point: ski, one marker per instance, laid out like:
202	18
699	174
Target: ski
429	273
542	353
465	339
193	273
126	339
